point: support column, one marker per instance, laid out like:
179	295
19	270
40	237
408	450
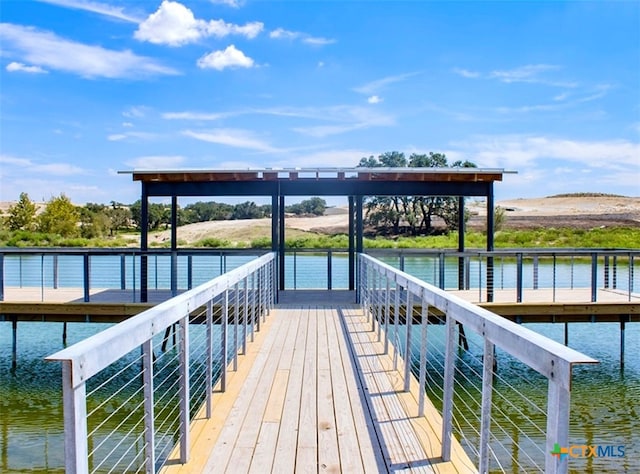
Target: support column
461	231
359	225
275	233
144	243
281	239
174	245
490	225
352	259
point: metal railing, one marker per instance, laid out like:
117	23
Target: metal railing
521	270
129	394
518	270
389	296
115	269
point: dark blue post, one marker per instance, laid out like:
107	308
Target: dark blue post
174	246
85	273
352	247
55	272
329	285
144	244
1	277
123	272
519	277
594	276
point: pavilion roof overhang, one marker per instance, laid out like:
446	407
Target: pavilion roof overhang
318	181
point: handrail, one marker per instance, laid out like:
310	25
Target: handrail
519	269
549	358
90	356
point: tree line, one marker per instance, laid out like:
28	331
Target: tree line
61	217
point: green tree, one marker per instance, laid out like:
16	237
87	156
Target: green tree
119	217
413	213
22	215
156	216
314	206
60	217
246	210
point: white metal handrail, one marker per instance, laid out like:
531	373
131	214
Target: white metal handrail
87	358
551	359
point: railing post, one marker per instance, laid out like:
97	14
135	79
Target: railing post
407	349
606	271
54	264
184	389
174	273
485	411
1	277
149	431
329	285
594	277
189	272
396	323
558	400
245	295
236	317
85	276
441	270
535	272
75	422
209	362
224	314
123	272
447	395
387	315
295	270
376	308
422	378
519	277
554	278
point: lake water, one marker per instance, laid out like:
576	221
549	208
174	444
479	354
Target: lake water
605	399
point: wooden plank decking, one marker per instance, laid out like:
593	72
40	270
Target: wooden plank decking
315	393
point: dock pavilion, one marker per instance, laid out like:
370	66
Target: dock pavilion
354	183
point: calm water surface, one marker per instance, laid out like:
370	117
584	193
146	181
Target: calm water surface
605	400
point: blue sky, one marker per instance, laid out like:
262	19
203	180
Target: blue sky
548	89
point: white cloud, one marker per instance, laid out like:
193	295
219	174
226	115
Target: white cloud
374	99
318	41
232	137
46	49
281	33
116	137
379	84
221	29
97	7
156	162
466	73
174	24
29	166
515	151
230	3
19	67
230	57
527	73
345	118
135	112
193	116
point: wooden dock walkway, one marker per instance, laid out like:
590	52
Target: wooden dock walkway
315	393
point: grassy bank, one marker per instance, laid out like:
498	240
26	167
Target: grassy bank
537	238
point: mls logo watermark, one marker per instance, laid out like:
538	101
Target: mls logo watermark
586	451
